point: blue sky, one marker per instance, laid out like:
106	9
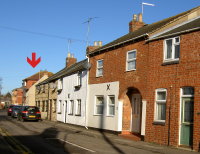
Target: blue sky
65	18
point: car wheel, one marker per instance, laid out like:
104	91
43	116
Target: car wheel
21	119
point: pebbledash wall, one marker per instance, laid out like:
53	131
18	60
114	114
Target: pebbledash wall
173	77
65	112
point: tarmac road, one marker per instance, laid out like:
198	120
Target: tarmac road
52	137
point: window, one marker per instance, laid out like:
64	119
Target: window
47	106
99	105
187	110
172	49
60	84
161	105
111	105
78	107
79	79
71	107
99	71
131	60
59	106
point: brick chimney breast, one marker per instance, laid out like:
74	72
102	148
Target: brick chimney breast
136	23
70	60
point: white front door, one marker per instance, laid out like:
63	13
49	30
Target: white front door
136	113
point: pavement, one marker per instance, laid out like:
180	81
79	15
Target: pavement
115	139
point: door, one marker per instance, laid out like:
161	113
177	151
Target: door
187	121
136	113
50	113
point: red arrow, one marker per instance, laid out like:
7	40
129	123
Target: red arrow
33	62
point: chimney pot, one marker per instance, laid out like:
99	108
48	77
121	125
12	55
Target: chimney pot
135	17
140	17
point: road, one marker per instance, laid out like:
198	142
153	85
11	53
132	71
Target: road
42	138
47	138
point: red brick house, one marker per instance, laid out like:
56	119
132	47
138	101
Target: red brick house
17	95
147	81
173	86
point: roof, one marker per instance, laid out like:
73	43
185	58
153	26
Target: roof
193	25
38	75
82	65
141	32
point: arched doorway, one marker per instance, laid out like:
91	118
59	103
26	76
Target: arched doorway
132	112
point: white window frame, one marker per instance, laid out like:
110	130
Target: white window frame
78	107
99	68
131	60
95	107
59	106
79	79
60	84
173	49
110	105
160	102
71	107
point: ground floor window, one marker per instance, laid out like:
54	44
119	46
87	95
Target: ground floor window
78	107
99	105
111	105
71	107
160	105
59	106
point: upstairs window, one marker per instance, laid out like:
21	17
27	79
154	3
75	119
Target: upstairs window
131	60
172	49
99	71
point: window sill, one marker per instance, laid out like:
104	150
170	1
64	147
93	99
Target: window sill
99	76
162	123
110	115
58	112
70	114
78	115
130	70
98	114
171	62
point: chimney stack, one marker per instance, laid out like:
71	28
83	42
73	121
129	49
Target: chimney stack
97	44
70	60
136	23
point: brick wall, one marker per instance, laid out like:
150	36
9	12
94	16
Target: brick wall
173	78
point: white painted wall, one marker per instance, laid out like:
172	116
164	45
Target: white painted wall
104	121
69	93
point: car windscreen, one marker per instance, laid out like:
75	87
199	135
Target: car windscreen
16	107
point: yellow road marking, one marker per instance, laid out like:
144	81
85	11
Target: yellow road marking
14	144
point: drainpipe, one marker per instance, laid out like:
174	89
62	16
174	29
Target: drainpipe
87	95
48	102
169	116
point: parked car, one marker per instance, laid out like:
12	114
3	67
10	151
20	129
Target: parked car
15	111
29	113
9	111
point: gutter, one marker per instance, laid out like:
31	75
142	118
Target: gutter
146	34
177	33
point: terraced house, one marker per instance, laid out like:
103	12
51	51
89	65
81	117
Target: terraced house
145	84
